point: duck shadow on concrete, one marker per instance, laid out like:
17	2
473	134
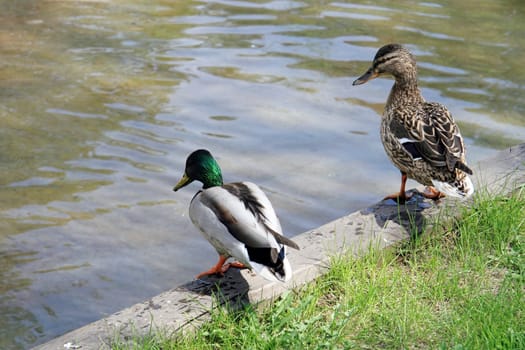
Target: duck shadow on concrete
230	290
410	216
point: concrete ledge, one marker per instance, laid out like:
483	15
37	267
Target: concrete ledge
381	224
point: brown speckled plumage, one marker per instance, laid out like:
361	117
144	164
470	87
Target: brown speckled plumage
421	138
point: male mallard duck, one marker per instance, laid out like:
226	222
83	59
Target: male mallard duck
237	219
421	138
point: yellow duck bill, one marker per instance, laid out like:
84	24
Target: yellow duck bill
182	182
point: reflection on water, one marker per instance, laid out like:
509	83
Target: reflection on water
102	102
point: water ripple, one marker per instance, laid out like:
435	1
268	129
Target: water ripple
250	30
441	36
75	114
271	5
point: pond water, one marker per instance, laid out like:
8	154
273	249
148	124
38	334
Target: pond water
101	102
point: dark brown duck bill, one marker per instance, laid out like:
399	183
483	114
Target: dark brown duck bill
369	75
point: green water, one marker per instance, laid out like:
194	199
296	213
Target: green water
101	101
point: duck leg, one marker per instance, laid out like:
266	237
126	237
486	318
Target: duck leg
400	197
220	268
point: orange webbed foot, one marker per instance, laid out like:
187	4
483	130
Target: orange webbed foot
215	270
235	264
399	197
220	268
432	193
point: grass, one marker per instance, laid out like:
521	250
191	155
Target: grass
458	286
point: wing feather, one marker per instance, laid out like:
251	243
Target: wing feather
431	134
248	214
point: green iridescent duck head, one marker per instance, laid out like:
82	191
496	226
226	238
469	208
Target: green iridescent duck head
201	166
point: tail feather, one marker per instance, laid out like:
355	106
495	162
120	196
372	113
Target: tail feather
463	167
276	269
462	189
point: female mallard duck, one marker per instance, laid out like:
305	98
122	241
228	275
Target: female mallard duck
237	219
421	138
